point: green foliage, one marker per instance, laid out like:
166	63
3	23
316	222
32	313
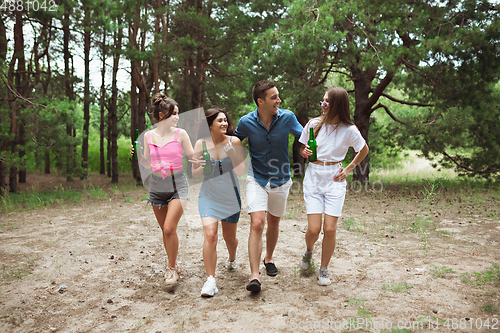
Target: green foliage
440	271
489	308
349	223
361	301
399	287
434	53
492	275
18	270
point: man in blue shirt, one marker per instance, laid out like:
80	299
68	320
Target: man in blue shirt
268	181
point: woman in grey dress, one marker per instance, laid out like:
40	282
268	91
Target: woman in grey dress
219	198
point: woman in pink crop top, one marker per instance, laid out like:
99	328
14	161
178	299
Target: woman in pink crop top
168	194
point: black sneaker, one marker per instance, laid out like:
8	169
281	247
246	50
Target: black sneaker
271	269
254	286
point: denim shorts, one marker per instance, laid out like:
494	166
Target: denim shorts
162	191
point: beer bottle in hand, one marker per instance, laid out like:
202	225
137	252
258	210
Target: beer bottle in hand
136	145
312	145
207	169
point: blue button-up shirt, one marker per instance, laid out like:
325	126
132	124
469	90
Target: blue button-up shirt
269	148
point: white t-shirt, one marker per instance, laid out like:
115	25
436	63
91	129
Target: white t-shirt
334	141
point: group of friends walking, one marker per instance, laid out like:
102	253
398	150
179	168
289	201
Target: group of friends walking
268	181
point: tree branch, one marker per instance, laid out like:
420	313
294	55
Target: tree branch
458	164
404	102
17	95
378	106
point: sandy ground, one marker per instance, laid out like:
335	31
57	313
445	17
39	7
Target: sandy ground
107	259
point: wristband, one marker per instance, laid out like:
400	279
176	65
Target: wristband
304	154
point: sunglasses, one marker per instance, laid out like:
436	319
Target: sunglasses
324	104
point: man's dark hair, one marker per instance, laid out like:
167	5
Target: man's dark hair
259	89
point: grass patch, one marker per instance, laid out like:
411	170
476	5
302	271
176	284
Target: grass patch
361	301
351	224
422	224
492	275
398	287
489	308
32	200
17	271
96	192
440	271
29	201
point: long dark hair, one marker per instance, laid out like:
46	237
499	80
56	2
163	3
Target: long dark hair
210	116
338	105
163	104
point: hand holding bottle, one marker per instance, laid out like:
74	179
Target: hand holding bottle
307	151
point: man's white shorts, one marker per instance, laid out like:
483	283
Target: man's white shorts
321	193
266	199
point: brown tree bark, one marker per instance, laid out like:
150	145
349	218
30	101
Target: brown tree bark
137	75
156	53
68	87
16	80
134	124
102	167
113	105
4	145
86	93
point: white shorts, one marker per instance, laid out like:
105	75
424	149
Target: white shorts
266	199
321	193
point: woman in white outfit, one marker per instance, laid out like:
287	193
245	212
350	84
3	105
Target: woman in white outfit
325	180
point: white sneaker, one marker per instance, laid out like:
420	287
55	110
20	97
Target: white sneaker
230	265
323	279
209	288
305	262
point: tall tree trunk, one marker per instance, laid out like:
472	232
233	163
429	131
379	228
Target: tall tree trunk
102	167
47	161
68	87
22	151
86	94
137	75
156	46
133	126
22	89
166	24
3	40
16	81
113	107
362	88
108	146
4	147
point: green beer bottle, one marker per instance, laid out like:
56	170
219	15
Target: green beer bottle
312	146
136	145
207	169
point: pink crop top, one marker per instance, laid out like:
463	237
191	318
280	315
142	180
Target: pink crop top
167	157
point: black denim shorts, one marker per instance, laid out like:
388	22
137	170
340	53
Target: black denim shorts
162	191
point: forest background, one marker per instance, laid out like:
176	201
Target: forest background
421	75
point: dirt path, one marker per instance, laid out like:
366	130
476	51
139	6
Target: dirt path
392	247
